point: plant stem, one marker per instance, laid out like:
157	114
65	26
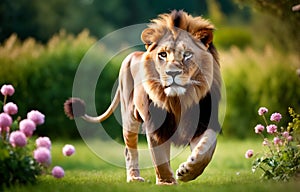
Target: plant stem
4	101
265	120
262	135
262	168
271	150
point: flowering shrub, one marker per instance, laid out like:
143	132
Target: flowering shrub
281	157
22	160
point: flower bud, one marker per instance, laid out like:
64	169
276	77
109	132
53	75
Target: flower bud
262	110
68	150
7	90
58	172
249	153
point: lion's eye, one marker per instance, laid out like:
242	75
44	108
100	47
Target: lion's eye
162	55
187	55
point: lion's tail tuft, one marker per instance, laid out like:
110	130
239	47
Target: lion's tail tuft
74	107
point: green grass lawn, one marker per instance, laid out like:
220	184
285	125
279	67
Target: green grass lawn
228	171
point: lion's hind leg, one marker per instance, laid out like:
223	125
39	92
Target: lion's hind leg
203	148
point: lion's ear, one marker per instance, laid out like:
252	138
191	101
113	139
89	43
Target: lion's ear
205	36
148	37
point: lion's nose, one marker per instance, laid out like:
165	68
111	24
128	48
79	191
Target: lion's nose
173	73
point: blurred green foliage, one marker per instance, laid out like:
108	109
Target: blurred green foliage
226	37
43	76
40	19
275	22
254	79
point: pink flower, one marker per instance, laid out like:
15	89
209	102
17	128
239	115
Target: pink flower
27	126
271	128
17	139
7	90
276	117
289	138
5	121
10	108
259	128
249	153
262	111
43	142
285	134
68	150
43	156
58	172
37	117
276	141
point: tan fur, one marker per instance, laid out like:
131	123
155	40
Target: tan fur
145	78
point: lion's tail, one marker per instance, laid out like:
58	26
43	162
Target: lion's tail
75	107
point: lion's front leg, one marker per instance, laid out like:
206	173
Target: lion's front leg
203	148
131	156
161	160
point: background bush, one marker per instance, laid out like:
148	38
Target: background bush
258	78
43	76
223	37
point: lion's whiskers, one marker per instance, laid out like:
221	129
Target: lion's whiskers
194	82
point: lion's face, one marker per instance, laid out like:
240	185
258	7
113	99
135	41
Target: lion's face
181	63
177	66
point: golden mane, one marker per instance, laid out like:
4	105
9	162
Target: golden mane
182	20
198	27
170	24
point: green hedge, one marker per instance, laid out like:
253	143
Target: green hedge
255	79
43	77
225	37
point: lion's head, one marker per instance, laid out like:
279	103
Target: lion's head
181	63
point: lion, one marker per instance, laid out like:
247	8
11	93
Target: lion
173	90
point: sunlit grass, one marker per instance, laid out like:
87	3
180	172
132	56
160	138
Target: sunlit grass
85	171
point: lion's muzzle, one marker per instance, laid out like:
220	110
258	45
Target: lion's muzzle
174	85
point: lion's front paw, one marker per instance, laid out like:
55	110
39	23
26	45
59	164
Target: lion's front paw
170	181
190	170
135	179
